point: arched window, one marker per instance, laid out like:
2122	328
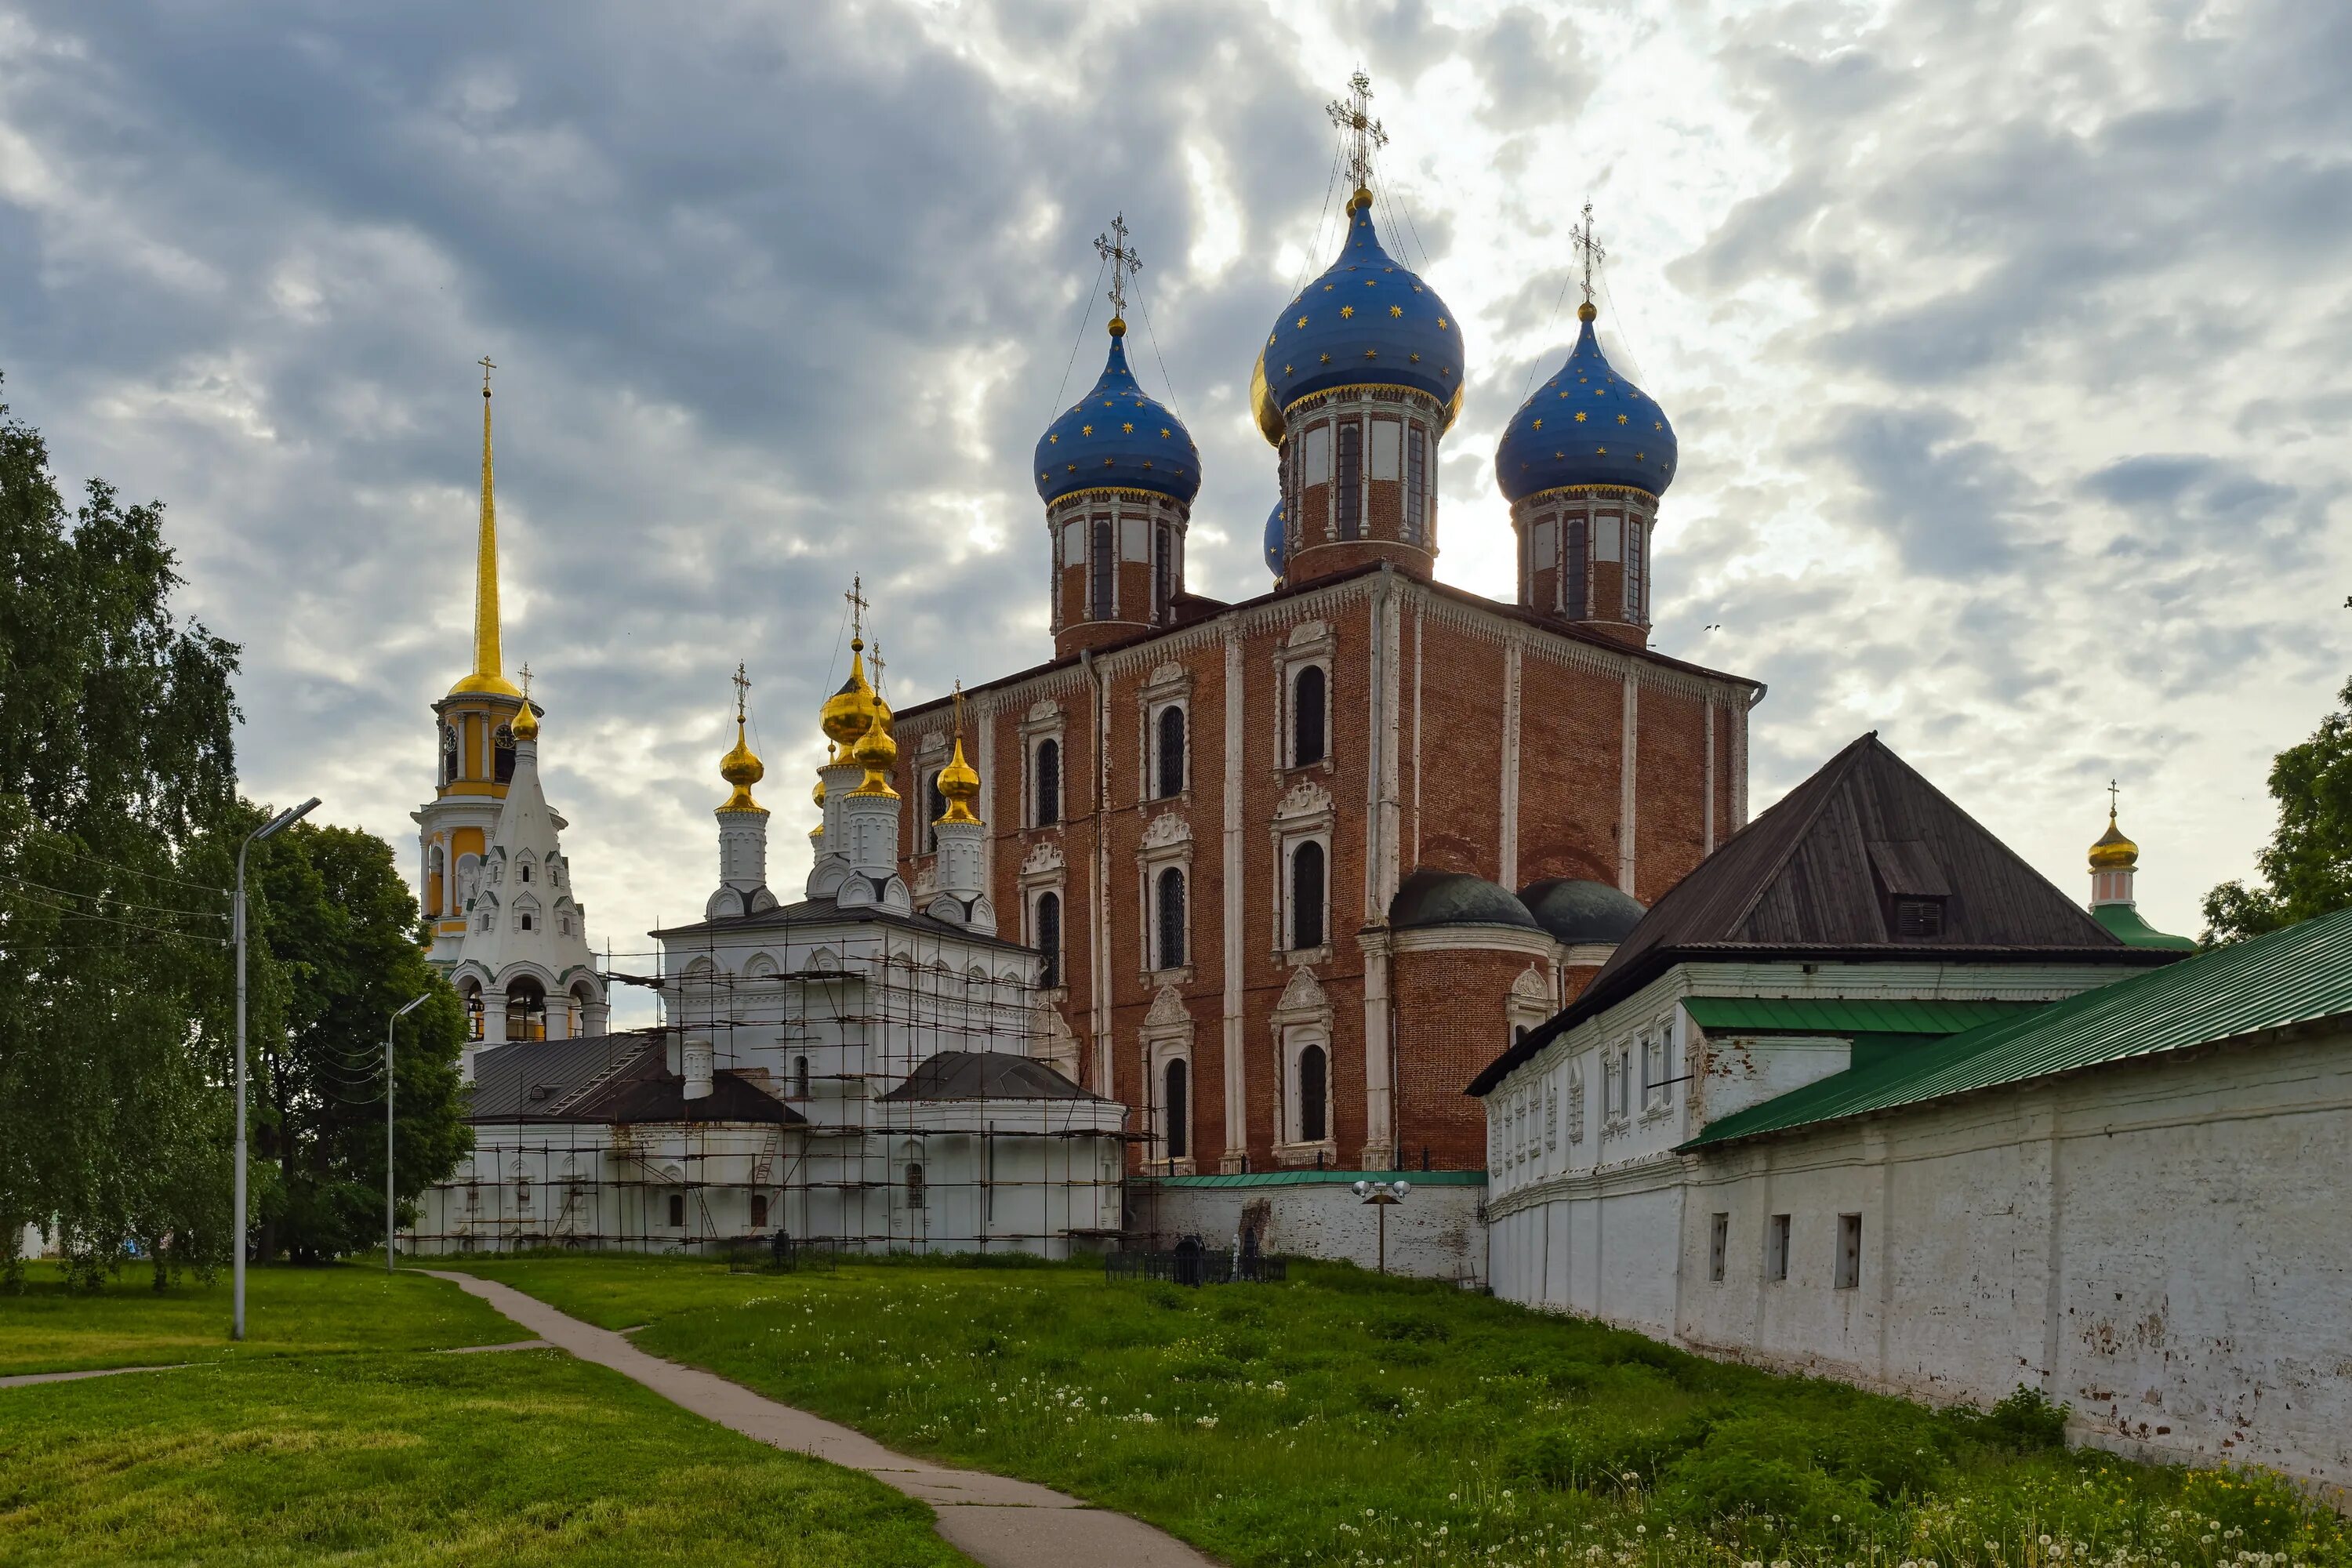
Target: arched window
1049	939
800	1077
914	1186
1172	752
1105	567
437	882
522	869
758	1211
1306	895
1314	1090
1634	563
1171	919
938	809
523	920
1307	704
526	1009
449	754
1178	1101
1350	477
1045	783
474	1013
504	743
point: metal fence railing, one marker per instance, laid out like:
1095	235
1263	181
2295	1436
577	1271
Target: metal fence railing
1196	1265
781	1254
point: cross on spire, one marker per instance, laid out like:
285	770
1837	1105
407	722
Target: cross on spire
1124	263
486	367
856	597
525	673
1352	114
959	709
2112	791
742	689
877	662
1589	249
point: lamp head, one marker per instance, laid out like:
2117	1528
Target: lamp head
284	819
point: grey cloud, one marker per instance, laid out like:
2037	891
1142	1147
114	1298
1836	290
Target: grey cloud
1944	497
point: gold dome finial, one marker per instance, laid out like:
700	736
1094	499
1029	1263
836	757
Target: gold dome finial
849	712
2114	852
742	767
958	782
526	721
488	677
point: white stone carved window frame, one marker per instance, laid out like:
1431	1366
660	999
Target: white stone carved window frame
1166	1037
1167	842
1044	871
929	755
1302	1019
1551	1116
1316	643
1169	686
1305	815
1044	723
526	913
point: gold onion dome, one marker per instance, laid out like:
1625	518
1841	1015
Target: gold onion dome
741	768
2114	852
875	752
959	785
848	713
526	722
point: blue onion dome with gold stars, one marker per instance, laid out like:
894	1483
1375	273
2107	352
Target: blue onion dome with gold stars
1586	425
1368	321
1276	541
1117	437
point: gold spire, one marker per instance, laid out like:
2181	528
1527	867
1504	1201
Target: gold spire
742	767
526	722
489	678
2114	852
958	782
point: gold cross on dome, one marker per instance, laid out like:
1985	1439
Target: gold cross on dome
1589	248
742	689
1124	263
959	709
1353	116
856	597
2111	788
877	662
486	367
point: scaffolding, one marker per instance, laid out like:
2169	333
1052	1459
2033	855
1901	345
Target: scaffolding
869	1095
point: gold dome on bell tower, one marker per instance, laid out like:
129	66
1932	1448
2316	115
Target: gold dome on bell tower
849	712
958	782
741	766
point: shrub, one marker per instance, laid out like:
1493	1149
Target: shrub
2027	1421
1713	1484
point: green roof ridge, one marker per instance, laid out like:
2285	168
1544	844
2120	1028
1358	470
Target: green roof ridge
2286	977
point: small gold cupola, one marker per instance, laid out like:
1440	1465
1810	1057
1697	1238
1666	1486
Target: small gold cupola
958	782
848	713
742	767
876	752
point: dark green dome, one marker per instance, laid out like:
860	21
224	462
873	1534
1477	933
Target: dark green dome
1575	910
1434	897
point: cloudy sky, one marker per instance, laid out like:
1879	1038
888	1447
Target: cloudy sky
2006	343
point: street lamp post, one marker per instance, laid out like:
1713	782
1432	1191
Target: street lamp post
1382	1195
236	1225
406	1009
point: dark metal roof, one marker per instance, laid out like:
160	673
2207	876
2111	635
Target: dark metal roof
1575	910
2298	975
1811	877
536	1079
610	1079
813	911
985	1074
1429	896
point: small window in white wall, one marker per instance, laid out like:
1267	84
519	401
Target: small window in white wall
1385	448
1540	546
1718	1244
1776	1248
1849	1257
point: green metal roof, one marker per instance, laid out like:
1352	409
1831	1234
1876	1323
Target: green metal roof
2290	977
2124	923
1312	1178
1843	1016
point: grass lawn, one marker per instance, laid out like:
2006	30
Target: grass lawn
1346	1420
288	1310
335	1433
523	1456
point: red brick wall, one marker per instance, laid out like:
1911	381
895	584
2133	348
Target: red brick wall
1452	1020
1462	704
1670	774
1571	755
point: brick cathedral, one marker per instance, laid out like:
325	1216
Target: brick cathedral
1302	864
